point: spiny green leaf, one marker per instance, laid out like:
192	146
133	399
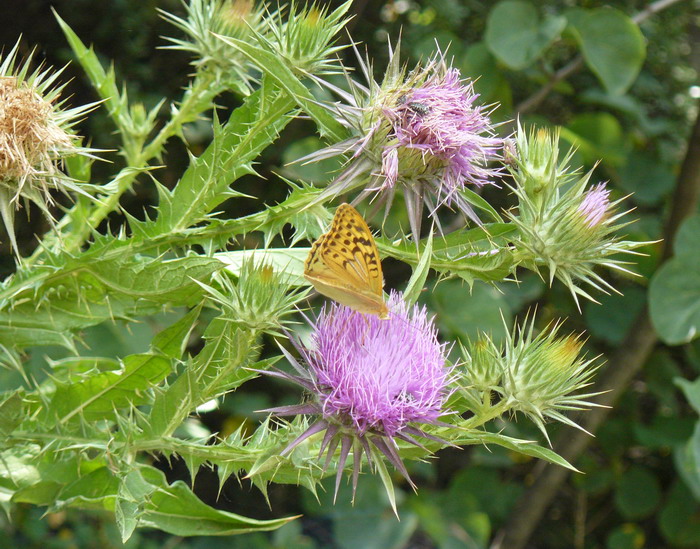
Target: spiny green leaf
175	509
205	184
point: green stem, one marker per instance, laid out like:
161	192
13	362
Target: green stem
491	413
197	99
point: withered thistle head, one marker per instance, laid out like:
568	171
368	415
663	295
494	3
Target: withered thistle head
35	136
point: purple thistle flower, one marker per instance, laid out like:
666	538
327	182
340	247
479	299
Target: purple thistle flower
422	133
439	119
371	380
595	204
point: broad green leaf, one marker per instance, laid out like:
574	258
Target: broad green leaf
674	299
686	241
691	390
638	493
515	34
177	510
612	45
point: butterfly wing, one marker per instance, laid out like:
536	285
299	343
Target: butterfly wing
344	264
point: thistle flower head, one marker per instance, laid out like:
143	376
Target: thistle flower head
372	381
421	133
565	225
35	136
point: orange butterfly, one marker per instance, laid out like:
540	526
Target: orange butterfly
344	264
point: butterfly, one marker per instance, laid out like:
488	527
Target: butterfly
344	264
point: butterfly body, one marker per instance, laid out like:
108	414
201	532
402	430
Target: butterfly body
344	264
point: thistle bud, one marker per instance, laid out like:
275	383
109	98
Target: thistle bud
204	23
260	299
565	225
543	375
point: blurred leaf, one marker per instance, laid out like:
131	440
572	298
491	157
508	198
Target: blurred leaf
686	241
515	34
674	299
368	522
691	390
596	479
493	495
664	432
615	315
465	314
638	493
597	136
647	177
612	45
479	64
528	288
687	460
627	536
320	171
679	519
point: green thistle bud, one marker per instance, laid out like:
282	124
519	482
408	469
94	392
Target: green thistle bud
207	19
542	374
35	137
260	299
305	40
482	364
565	225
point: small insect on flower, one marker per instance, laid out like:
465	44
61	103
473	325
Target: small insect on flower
371	382
344	264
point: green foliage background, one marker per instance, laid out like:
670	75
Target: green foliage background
641	486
